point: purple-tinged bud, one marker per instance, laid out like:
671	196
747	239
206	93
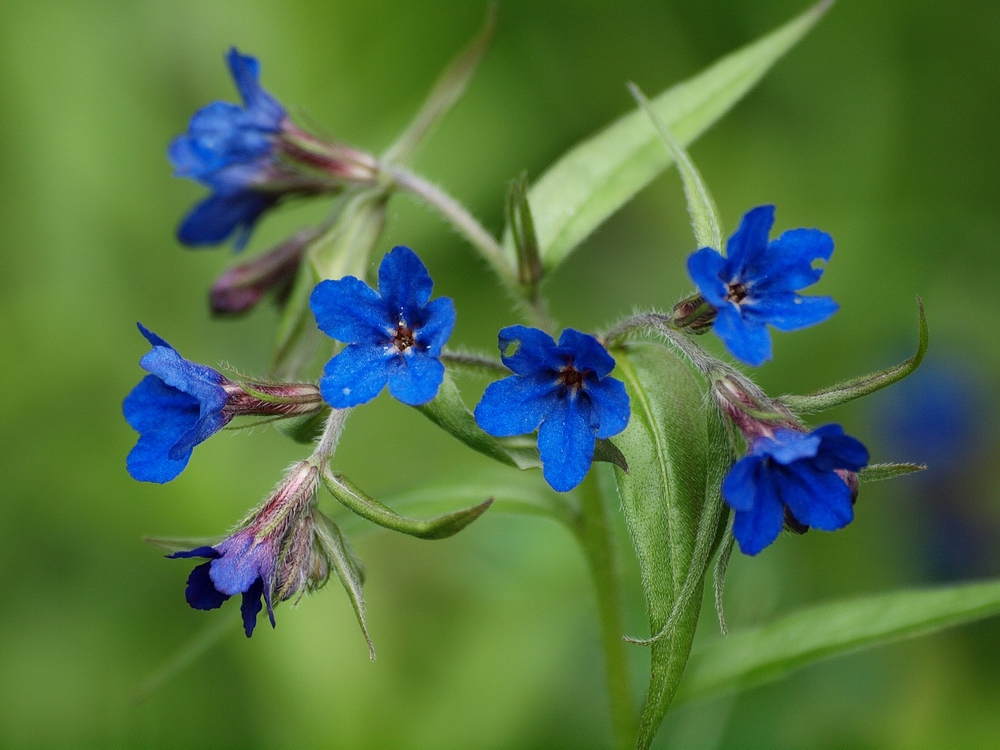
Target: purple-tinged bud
336	160
303	567
754	414
693	315
242	286
250	399
250	560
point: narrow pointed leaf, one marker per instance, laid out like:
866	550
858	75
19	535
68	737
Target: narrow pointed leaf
305	429
597	177
673	525
441	527
719	575
879	472
173	544
764	654
446	92
849	390
701	206
449	412
343	560
606	451
522	226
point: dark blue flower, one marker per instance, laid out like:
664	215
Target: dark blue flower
230	149
561	390
178	406
394	335
239	564
757	283
806	473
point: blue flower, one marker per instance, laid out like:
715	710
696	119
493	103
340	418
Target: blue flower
756	284
173	409
394	335
230	149
563	391
237	565
807	474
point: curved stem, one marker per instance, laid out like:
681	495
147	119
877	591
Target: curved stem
595	533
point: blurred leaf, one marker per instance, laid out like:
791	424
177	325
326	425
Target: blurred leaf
849	390
446	92
596	178
672	507
209	636
879	472
343	560
701	206
719	575
355	227
173	544
522	226
307	428
449	412
441	527
756	656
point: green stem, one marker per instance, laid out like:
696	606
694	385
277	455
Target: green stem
595	533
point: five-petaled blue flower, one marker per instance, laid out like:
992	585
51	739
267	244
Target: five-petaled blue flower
240	564
806	473
564	391
756	284
394	335
230	149
173	409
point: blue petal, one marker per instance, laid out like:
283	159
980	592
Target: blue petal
251	606
151	337
356	375
206	426
739	488
535	350
218	216
748	241
414	377
839	451
219	135
748	342
787	446
210	552
200	381
439	320
242	561
349	310
757	528
150	459
705	268
201	592
788	311
566	443
516	405
788	261
404	284
266	110
611	405
819	499
161	415
588	352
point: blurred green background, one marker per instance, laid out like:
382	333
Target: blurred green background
880	128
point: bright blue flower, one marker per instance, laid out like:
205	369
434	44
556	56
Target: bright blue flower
805	473
240	564
756	284
563	391
394	335
178	406
230	149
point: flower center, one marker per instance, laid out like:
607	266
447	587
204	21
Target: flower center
570	377
737	292
404	338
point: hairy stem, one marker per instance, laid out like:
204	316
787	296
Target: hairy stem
595	533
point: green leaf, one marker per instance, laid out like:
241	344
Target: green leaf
672	506
522	225
307	428
849	390
597	177
355	228
701	206
342	559
173	544
512	492
449	412
606	451
879	472
764	654
448	89
441	527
